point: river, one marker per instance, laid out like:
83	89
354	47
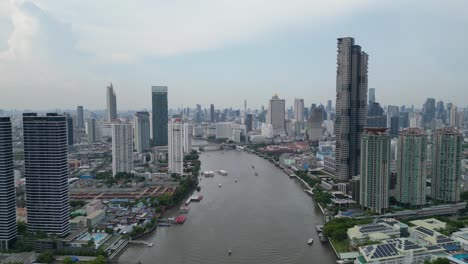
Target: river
263	219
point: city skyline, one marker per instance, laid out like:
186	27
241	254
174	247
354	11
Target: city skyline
223	67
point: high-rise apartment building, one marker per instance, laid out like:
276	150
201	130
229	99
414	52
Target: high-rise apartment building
175	147
276	115
111	104
371	96
141	124
299	109
411	167
446	164
122	148
79	117
8	229
375	169
351	107
429	110
160	115
46	173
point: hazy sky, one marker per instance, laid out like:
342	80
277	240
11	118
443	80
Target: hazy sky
59	54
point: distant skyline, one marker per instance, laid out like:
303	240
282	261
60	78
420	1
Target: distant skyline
60	54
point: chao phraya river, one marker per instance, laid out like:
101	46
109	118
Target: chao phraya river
263	219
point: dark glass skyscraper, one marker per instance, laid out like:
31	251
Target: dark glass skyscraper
212	113
351	107
46	173
7	186
160	115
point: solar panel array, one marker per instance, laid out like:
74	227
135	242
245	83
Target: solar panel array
433	247
373	228
425	230
384	250
441	239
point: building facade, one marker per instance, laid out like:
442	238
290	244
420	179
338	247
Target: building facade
111	104
446	164
122	148
46	173
79	117
276	115
315	125
8	229
299	109
175	147
411	167
160	115
351	107
188	130
375	169
141	124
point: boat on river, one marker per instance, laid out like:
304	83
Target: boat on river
235	180
222	172
219	185
180	219
230	252
322	238
310	241
256	174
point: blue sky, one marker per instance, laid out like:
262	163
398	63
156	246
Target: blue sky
59	54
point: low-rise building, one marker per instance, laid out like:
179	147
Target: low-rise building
384	229
96	217
462	238
397	251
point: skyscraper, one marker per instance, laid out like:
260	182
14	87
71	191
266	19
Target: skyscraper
329	105
187	137
393	120
411	168
446	164
79	117
111	104
122	148
375	169
276	115
160	115
429	110
351	107
141	124
299	109
46	173
175	147
8	229
371	96
212	113
376	116
248	122
91	130
315	125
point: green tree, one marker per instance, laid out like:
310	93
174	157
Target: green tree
46	257
67	260
90	243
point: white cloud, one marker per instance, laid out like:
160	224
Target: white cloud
130	30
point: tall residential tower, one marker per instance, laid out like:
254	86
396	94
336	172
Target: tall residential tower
122	148
375	169
141	124
411	168
46	173
276	115
446	164
8	229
